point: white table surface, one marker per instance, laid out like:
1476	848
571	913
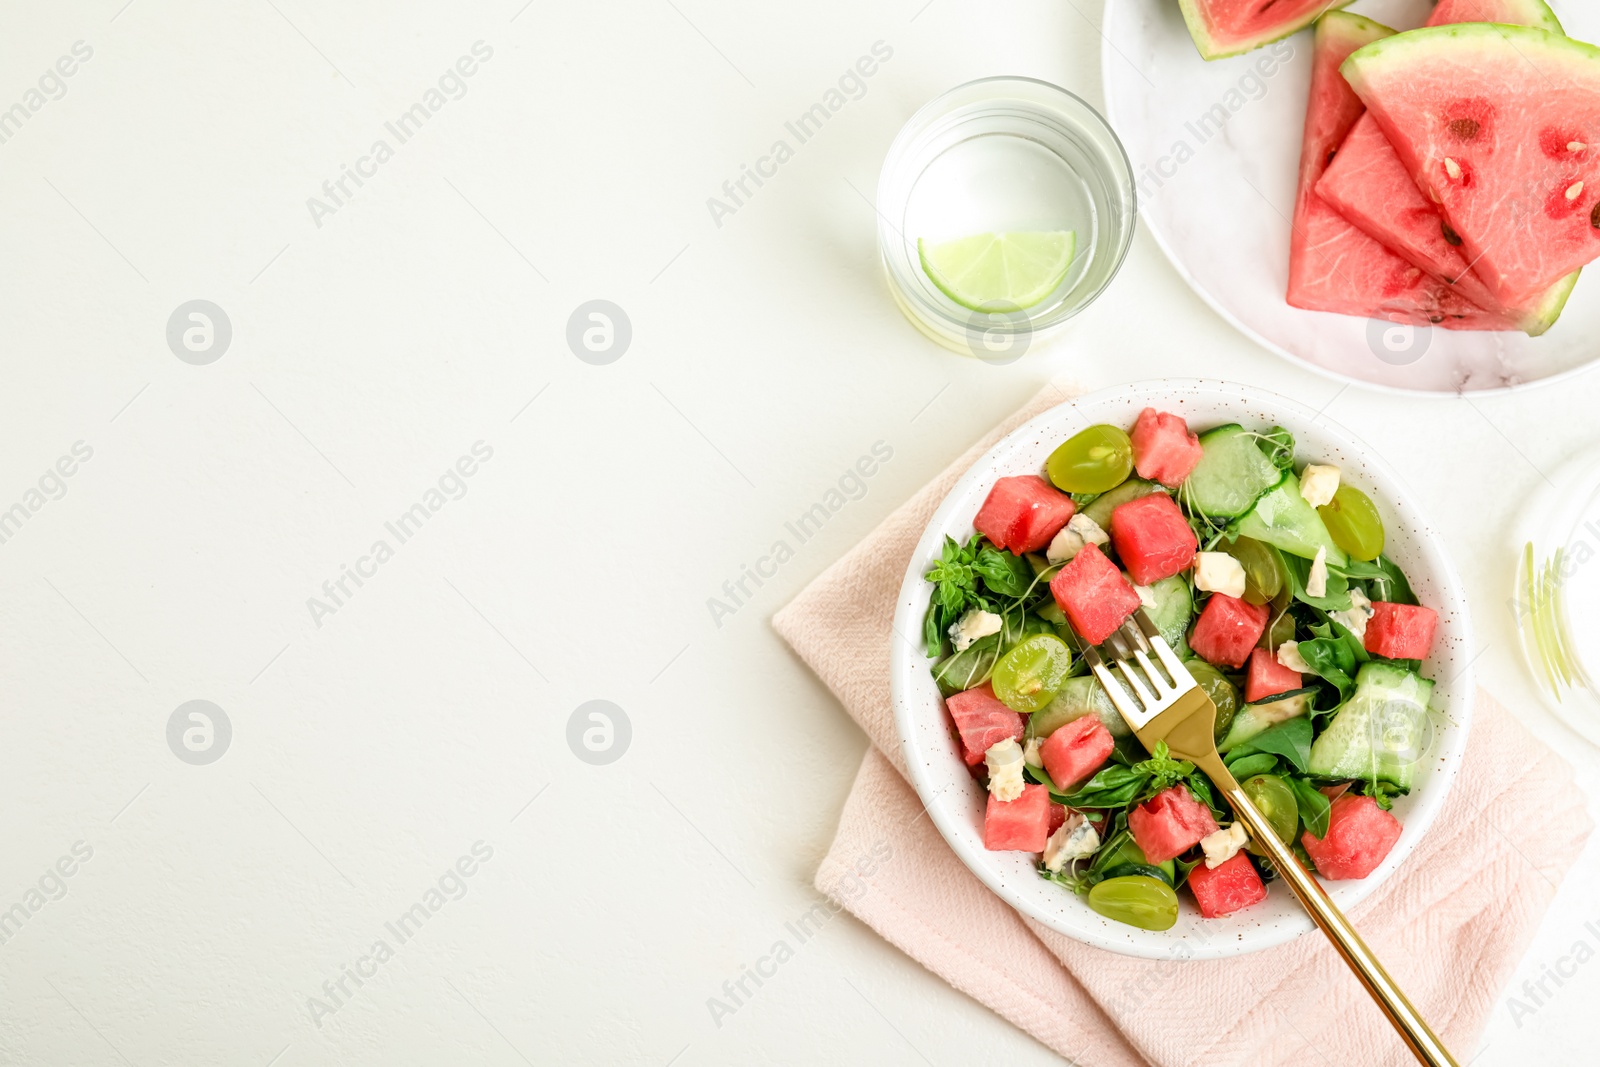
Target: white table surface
428	313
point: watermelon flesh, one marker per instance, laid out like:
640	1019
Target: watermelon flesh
1152	538
1360	835
1267	677
1023	513
1227	887
1228	27
1170	824
1333	266
1499	125
982	721
1400	631
1093	594
1163	448
1228	630
1372	189
1075	751
1022	824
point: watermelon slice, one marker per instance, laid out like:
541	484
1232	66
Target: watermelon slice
1371	188
1228	27
1228	630
1094	595
1332	265
1267	677
1163	448
1023	513
982	721
1499	125
1152	538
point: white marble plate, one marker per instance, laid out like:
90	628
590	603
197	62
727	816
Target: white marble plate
1218	198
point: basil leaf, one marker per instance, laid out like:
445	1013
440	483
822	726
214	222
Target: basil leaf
1290	739
933	630
1313	805
1115	786
1252	764
1004	573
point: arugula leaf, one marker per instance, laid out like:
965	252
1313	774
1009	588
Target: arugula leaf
1290	739
1312	803
1278	444
1337	597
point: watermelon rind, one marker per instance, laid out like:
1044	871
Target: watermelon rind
1211	48
1535	13
1540	318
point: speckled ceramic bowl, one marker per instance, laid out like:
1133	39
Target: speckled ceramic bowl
956	802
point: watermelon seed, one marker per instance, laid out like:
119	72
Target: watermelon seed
1576	146
1450	235
1466	129
1452	168
1594	217
1576	191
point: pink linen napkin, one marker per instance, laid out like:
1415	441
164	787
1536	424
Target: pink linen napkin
1450	926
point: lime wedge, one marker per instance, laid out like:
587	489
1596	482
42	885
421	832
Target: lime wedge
999	271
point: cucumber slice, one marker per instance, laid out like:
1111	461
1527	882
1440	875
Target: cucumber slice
1283	518
1173	611
1253	719
1232	474
1076	698
1381	731
1100	508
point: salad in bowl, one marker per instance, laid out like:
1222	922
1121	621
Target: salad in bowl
1290	573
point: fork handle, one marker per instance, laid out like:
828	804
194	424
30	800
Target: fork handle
1422	1041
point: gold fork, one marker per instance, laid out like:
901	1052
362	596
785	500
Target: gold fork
1173	708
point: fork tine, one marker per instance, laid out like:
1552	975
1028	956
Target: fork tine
1147	697
1108	682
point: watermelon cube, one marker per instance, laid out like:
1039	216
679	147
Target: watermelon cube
1022	824
1075	751
1022	514
1227	887
1094	595
1228	630
1170	824
1400	631
1267	677
1152	538
1163	448
1360	835
982	721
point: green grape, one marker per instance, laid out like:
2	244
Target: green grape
1353	522
1221	691
1263	569
1274	799
1280	623
1138	900
1027	677
1098	459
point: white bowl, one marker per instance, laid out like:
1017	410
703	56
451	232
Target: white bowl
956	802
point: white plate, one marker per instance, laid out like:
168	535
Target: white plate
1223	215
956	802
